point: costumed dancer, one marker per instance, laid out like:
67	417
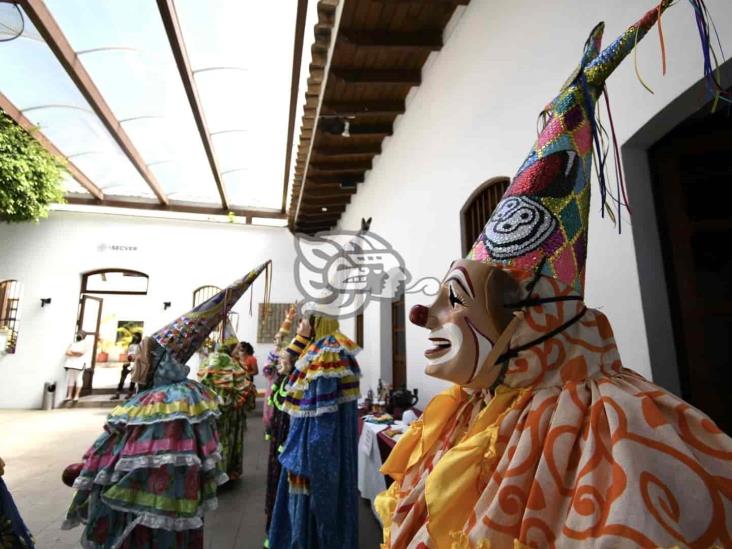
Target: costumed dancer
546	440
148	479
237	394
14	534
271	365
279	426
317	500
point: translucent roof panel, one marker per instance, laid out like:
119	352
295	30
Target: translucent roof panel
124	48
71	186
36	83
241	55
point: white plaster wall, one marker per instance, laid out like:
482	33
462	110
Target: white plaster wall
474	117
48	258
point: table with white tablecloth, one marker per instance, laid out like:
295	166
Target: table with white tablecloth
370	480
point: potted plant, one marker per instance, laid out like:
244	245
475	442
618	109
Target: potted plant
105	346
30	177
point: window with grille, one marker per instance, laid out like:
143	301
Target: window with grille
203	293
478	208
9	314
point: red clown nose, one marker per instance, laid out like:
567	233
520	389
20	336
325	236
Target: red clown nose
418	315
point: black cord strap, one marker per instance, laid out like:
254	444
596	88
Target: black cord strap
513	353
531	302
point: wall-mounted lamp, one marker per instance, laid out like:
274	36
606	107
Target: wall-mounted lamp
166	305
45	301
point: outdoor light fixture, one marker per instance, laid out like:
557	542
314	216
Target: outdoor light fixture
166	305
346	128
45	301
323	209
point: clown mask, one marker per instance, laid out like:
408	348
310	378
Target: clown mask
465	322
284	365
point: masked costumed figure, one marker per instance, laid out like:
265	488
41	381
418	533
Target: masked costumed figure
546	440
316	501
279	424
225	377
14	534
148	479
272	363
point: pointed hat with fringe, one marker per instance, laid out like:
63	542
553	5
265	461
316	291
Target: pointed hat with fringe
186	334
542	219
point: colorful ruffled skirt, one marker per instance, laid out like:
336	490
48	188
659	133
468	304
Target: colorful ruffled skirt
231	426
148	479
13	532
316	505
277	431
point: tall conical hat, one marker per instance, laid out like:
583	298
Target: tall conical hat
186	334
542	219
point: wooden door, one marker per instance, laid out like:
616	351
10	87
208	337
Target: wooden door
89	320
398	344
692	170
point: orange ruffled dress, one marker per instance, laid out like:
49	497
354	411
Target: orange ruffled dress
572	450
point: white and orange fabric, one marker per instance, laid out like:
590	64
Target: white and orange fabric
572	450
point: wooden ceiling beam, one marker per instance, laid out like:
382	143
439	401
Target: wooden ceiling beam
330	191
343	167
362	108
428	40
177	45
375	130
353	150
326	201
14	113
318	209
373	76
51	33
336	180
325	218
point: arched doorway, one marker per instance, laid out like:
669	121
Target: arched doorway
109	313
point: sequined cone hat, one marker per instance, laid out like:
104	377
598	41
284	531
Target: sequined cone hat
542	219
186	334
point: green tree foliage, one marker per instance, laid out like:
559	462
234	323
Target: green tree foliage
30	177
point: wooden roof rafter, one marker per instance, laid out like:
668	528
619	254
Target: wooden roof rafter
19	118
61	48
177	45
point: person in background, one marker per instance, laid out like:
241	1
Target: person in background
244	353
133	350
271	364
14	533
227	378
141	371
78	358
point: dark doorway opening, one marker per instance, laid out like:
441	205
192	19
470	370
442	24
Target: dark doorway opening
398	343
691	169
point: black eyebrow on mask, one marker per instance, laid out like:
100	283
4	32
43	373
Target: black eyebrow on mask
460	282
